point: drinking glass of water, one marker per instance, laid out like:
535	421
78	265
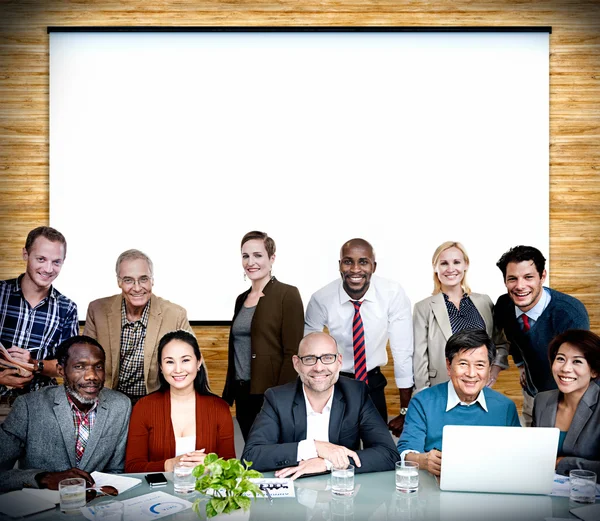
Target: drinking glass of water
407	477
72	495
342	481
184	481
583	486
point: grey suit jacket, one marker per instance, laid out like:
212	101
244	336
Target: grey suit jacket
582	443
281	424
103	322
431	328
39	432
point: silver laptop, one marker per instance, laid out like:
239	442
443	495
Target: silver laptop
511	460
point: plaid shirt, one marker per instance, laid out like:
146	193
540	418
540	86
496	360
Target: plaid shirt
131	369
40	329
84	422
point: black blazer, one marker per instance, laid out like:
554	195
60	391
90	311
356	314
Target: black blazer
277	328
582	443
273	440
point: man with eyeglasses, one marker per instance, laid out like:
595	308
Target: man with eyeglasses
319	421
130	326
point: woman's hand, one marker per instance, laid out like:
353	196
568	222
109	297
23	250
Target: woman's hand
189	459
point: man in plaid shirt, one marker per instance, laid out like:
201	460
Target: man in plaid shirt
34	317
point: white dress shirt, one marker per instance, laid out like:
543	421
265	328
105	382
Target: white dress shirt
317	428
386	314
454	400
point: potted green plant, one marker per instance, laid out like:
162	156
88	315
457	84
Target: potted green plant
228	482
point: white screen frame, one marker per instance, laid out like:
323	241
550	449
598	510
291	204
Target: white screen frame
410	144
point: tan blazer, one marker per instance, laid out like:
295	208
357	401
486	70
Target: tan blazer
431	328
103	322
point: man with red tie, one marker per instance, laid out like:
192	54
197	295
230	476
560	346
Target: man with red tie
362	312
531	315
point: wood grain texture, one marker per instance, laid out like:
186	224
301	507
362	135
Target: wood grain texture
574	112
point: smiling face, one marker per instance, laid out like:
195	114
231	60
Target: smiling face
179	365
469	372
44	262
255	260
83	374
451	267
571	370
357	264
524	284
318	378
135	280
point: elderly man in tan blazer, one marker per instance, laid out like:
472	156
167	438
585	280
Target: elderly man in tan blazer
130	326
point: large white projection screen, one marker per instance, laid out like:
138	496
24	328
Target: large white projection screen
178	143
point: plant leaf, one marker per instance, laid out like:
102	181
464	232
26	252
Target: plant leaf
210	458
219	504
243	502
210	509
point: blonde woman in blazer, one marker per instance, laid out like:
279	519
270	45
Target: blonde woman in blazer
431	321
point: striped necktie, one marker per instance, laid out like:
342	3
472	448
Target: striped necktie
358	341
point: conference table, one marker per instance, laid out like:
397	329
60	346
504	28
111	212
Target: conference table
375	499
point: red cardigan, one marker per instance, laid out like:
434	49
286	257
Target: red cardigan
151	440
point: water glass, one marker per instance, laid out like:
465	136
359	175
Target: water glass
583	486
407	477
183	479
109	511
72	495
342	481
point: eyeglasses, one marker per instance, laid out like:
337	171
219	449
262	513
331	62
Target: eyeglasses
312	359
105	490
129	281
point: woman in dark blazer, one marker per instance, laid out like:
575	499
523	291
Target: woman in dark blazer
433	325
575	406
267	326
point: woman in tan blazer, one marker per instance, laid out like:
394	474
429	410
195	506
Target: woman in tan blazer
267	326
451	308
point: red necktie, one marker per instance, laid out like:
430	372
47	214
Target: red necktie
526	326
358	334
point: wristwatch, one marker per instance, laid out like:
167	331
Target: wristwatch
38	366
403	411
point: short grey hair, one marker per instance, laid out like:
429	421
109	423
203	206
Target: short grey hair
133	255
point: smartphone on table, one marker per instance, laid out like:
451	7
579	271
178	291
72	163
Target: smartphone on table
157	479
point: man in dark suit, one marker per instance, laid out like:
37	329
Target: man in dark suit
318	422
64	432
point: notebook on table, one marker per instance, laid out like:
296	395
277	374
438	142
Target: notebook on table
511	460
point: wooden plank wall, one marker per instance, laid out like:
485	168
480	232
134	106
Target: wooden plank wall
574	113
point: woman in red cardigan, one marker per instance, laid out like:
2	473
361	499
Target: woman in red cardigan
182	421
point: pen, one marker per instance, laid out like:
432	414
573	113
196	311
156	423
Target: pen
266	489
